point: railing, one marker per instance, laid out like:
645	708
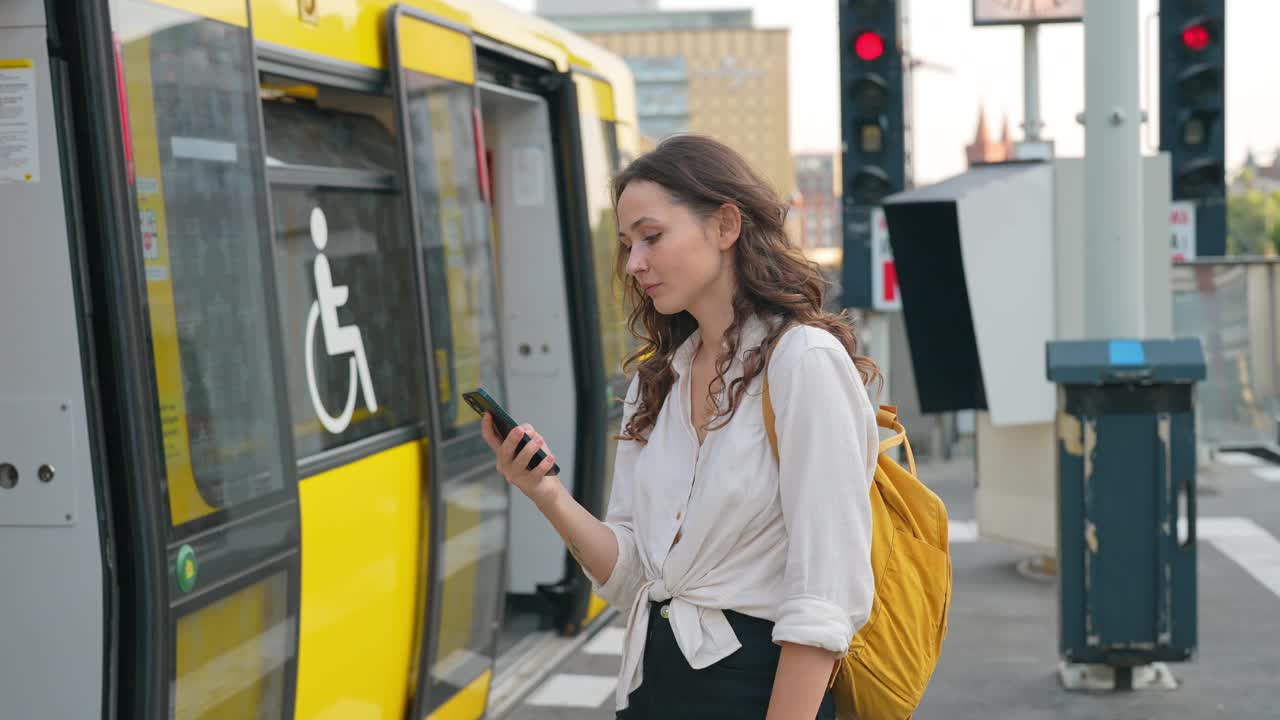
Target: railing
1233	306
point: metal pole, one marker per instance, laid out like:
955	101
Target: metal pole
1031	81
908	82
1113	172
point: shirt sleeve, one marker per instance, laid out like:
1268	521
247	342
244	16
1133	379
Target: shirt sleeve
624	582
827	445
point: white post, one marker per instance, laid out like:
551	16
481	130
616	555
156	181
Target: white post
873	342
1031	81
1113	172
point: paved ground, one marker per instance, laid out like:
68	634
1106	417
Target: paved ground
1001	652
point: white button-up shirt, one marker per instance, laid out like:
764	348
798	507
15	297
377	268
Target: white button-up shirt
795	550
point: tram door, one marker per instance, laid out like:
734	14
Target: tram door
199	241
434	73
606	324
346	291
57	608
536	334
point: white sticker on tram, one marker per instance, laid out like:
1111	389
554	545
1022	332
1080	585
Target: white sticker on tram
202	149
19	126
527	176
338	339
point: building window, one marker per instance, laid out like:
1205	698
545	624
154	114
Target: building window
662	94
649	69
662	98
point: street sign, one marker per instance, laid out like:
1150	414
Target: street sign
1020	12
884	275
1182	230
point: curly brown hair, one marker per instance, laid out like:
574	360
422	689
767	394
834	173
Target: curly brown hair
774	279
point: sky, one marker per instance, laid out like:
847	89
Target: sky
969	66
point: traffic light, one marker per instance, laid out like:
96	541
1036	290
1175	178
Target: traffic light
872	124
1193	112
871	102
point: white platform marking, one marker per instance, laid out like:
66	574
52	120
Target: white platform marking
1239	459
1270	474
582	691
1248	544
606	642
962	531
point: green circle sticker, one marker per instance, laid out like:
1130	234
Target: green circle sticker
187	568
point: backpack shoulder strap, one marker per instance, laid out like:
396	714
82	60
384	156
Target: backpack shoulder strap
886	417
767	404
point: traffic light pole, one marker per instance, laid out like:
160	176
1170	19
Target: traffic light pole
1114	283
1031	81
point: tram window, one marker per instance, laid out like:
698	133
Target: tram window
469	587
315	126
196	152
340	225
368	252
458	256
232	655
600	157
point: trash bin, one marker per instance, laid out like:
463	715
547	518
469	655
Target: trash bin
1126	481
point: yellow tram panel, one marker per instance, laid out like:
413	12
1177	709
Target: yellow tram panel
437	50
468	704
354	31
231	12
363	532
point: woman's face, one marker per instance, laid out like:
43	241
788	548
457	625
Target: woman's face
680	260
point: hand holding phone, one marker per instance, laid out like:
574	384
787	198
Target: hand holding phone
481	402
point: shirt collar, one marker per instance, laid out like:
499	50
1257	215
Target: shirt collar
754	331
683	358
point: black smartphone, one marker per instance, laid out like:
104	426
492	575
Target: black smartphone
480	401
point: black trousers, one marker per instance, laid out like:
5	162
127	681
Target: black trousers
736	688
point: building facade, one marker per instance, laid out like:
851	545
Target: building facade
817	184
710	72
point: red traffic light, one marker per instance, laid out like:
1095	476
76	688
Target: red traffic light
1196	37
868	46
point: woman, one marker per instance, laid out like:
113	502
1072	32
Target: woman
744	579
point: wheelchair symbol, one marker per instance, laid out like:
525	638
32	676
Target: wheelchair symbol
338	339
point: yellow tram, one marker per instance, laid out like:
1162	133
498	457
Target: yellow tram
279	239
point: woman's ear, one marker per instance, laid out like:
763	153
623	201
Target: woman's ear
728	225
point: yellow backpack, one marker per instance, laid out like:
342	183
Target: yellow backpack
891	658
